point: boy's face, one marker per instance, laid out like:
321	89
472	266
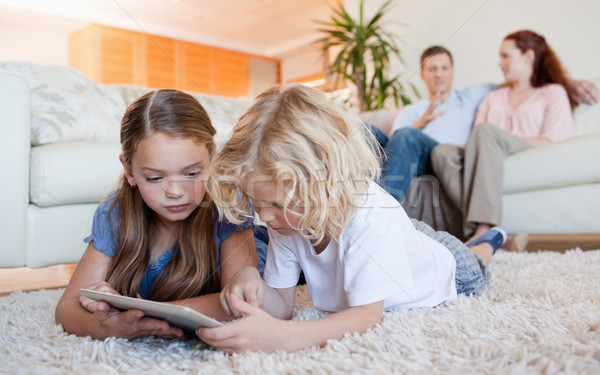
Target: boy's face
267	198
437	73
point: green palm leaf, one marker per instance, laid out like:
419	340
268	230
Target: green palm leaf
364	53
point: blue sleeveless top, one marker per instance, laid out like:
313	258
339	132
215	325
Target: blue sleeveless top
105	229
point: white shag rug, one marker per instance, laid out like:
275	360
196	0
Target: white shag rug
541	314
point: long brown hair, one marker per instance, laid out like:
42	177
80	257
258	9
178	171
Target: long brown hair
192	270
547	68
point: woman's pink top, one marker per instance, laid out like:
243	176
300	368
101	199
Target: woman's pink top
546	113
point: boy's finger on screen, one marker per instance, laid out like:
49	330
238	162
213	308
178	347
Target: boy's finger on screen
225	303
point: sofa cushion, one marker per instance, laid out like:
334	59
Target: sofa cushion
73	172
587	118
567	210
68	106
566	163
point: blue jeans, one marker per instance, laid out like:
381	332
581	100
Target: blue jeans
261	240
406	156
472	275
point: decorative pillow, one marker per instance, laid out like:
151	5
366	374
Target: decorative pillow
68	106
224	113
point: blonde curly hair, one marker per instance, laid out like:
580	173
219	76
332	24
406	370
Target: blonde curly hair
322	156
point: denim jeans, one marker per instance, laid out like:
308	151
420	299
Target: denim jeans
472	275
261	240
406	155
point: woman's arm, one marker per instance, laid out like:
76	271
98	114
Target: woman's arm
258	330
587	92
104	321
538	141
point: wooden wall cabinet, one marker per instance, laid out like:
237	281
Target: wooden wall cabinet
111	55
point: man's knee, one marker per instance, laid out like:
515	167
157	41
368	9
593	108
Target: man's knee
407	133
413	138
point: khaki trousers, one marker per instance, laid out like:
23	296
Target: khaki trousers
473	176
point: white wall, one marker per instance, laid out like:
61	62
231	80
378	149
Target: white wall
302	63
43	47
473	29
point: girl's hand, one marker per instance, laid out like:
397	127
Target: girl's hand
91	305
132	324
128	324
257	330
247	286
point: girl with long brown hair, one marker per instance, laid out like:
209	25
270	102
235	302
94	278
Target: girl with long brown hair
158	235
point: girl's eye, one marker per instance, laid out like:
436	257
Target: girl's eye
153	179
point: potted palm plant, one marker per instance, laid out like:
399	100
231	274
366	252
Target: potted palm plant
364	52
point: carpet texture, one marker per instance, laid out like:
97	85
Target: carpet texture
541	314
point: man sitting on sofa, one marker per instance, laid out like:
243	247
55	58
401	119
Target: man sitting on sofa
446	117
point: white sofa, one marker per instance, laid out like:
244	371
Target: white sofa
549	190
59	154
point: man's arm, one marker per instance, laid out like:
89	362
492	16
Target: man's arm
587	92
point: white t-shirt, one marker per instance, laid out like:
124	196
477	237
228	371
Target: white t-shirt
454	126
379	256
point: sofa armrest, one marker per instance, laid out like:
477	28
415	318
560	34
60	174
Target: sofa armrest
383	119
15	144
561	164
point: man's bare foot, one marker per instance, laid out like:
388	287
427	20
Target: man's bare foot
517	242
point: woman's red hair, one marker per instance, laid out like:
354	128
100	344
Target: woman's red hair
546	65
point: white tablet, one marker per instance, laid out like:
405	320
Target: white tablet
177	315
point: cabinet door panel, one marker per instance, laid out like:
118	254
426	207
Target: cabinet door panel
194	71
231	73
160	62
117	50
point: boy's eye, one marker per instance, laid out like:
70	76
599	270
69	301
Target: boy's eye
193	174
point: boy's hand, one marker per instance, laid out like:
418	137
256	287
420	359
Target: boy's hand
247	285
257	330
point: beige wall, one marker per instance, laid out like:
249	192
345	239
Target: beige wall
23	44
473	29
301	63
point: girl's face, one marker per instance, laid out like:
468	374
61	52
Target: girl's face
267	198
515	64
170	174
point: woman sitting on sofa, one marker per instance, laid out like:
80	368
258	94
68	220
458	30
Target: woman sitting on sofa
533	108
